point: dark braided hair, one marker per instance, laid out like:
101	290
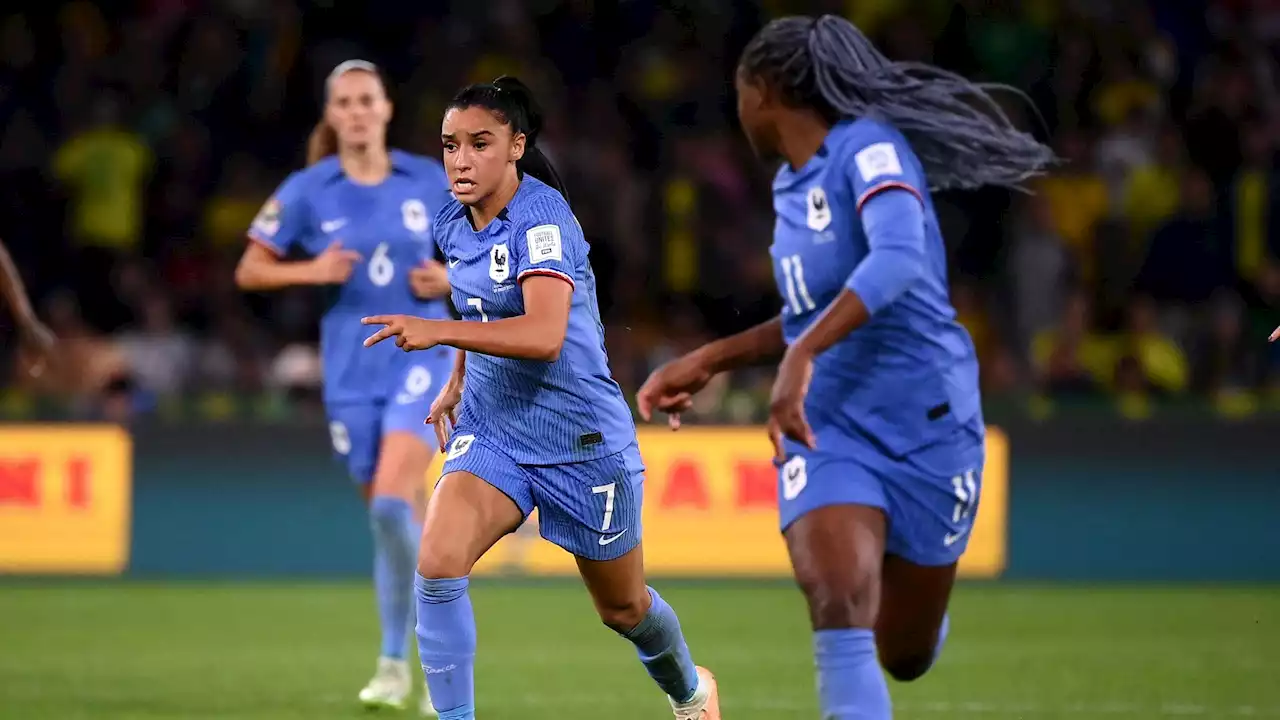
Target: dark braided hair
961	135
512	102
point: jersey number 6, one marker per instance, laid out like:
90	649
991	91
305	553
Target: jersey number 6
381	269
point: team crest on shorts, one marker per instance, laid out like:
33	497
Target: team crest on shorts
499	263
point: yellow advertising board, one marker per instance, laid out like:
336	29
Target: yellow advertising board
65	499
710	509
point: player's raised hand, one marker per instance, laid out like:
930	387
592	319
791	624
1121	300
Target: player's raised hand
786	406
670	388
411	333
1275	334
429	280
444	412
334	265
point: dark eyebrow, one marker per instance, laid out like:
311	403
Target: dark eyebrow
474	136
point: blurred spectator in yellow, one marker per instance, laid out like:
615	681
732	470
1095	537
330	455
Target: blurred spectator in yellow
234	204
1071	359
1161	363
1151	194
1253	198
104	167
1077	198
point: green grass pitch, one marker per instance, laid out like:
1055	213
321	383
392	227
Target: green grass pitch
274	652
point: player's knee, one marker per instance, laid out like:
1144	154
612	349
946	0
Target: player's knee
622	617
435	563
905	666
850	600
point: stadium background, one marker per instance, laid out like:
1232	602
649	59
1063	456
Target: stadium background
1120	313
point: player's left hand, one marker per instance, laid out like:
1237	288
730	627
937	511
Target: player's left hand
429	280
786	406
411	333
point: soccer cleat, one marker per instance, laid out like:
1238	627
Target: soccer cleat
426	708
390	687
705	703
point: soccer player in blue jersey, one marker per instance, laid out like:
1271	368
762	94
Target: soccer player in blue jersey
875	416
540	421
362	218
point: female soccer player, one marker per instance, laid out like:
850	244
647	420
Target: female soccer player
363	216
33	336
875	417
542	423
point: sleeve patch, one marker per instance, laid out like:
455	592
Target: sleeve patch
544	244
267	223
876	160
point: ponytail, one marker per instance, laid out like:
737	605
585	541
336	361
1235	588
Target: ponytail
322	143
512	101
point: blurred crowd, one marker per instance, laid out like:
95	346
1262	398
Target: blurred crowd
136	145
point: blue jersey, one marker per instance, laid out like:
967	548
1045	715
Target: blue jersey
538	413
389	224
908	377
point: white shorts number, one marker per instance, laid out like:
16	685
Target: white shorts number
381	269
608	491
418	381
340	437
966	496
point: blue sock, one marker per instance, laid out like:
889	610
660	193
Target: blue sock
851	685
447	645
663	650
395	543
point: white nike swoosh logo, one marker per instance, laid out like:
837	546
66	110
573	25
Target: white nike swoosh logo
454	263
607	540
332	225
950	538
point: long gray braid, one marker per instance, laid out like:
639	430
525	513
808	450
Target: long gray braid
962	136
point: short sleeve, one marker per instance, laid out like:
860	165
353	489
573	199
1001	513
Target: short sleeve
880	161
282	223
550	242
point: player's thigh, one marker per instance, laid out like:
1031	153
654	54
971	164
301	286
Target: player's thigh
355	432
592	510
933	498
408	443
832	516
482	495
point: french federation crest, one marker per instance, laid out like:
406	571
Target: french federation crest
415	216
499	263
819	209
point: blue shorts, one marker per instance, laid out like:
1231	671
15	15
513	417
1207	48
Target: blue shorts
929	497
356	429
590	508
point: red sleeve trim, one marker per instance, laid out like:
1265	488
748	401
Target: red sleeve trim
888	185
275	250
548	272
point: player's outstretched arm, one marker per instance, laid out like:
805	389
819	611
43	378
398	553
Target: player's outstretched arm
260	268
670	389
538	334
33	333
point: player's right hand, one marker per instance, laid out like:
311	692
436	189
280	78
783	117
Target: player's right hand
444	413
334	265
670	388
1275	334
